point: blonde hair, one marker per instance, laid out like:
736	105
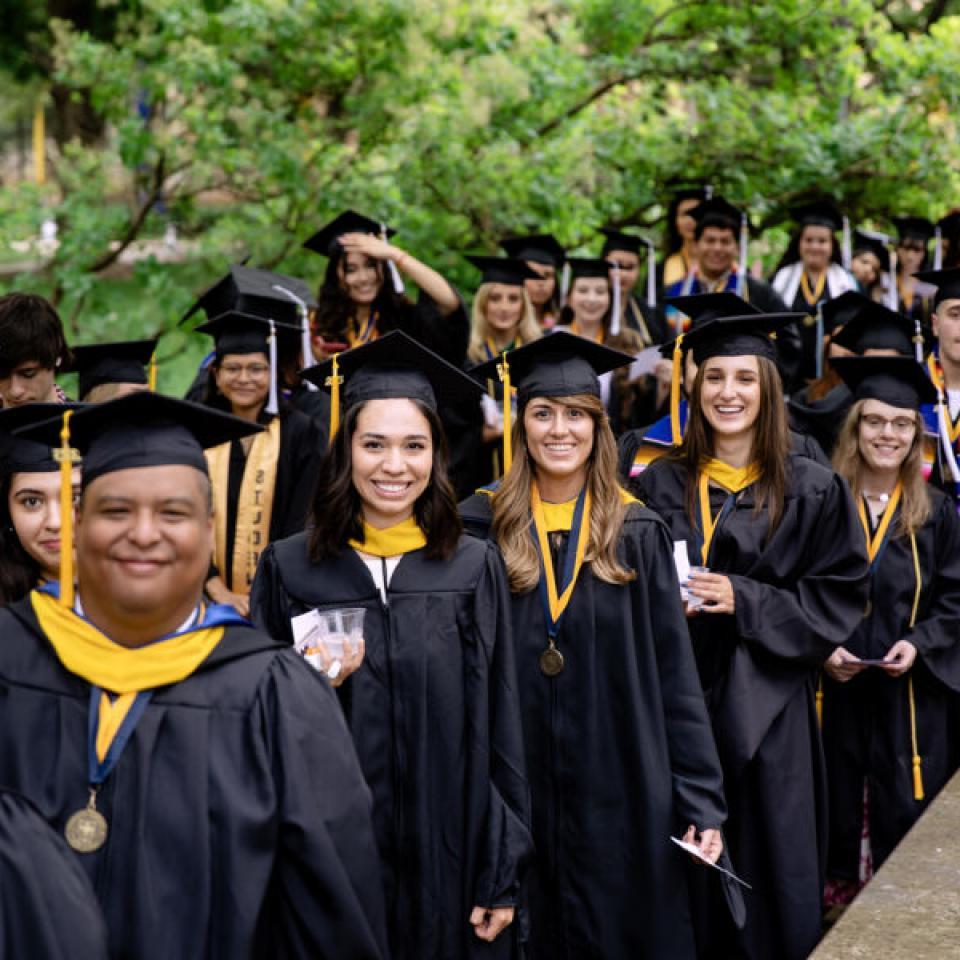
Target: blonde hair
848	462
527	330
512	515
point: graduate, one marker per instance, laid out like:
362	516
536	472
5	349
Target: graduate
47	905
274	296
910	295
622	251
262	485
887	691
503	318
431	695
869	262
810	274
638	448
544	255
33	350
110	370
30	521
782	584
680	242
618	744
200	771
942	418
592	311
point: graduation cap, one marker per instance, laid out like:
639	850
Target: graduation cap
618	240
680	191
865	241
718	212
538	248
326	241
235	332
503	270
20	455
841	310
590	268
133	432
914	228
818	213
947	283
392	366
899	381
747	335
560	364
261	293
876	327
122	362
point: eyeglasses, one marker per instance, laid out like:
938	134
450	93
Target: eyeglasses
234	370
901	425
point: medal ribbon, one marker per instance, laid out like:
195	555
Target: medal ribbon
812	296
110	724
554	603
876	541
368	333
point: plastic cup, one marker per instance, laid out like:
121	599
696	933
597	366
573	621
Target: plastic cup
336	627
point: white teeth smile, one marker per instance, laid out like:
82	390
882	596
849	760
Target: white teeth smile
559	446
726	410
391	487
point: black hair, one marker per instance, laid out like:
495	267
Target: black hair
792	253
19	572
30	332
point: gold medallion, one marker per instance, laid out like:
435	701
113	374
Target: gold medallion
551	661
809	320
86	830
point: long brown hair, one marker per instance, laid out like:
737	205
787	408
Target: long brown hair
512	515
528	329
771	443
336	512
848	462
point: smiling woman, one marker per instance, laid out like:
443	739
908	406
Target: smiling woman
430	694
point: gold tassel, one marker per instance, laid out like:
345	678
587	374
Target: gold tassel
503	368
152	376
820	701
65	456
676	379
333	382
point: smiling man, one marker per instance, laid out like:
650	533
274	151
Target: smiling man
202	773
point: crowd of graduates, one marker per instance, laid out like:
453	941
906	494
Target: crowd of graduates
645	550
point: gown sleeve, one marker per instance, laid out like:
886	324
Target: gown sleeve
806	618
302	454
694	763
269	603
935	635
327	898
506	843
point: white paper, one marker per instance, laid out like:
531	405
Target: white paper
645	363
492	412
306	630
681	561
695	851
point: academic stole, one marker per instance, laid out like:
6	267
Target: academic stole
733	480
599	337
122	681
876	542
936	377
811	296
403	537
254	507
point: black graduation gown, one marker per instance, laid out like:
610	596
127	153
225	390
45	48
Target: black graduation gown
798	595
47	906
866	721
434	716
239	820
620	757
820	419
810	345
302	446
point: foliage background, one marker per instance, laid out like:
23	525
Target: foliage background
248	123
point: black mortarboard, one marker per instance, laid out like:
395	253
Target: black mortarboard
876	327
538	248
841	310
618	240
256	292
588	267
240	332
392	366
142	430
947	283
326	240
899	381
819	213
914	228
950	222
503	270
17	453
690	191
741	336
717	212
560	364
122	362
701	308
871	243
